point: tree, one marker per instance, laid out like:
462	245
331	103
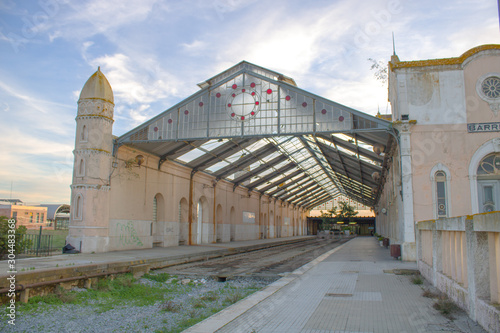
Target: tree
327	218
346	211
21	241
380	70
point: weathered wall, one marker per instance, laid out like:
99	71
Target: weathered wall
133	189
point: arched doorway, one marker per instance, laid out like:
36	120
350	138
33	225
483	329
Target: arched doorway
484	176
220	224
183	221
203	220
158	219
232	217
488	183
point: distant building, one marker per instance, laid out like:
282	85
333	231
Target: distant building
11	201
29	216
57	215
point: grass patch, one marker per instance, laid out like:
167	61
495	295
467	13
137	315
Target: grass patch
417	279
211	296
106	295
58	236
429	294
170	306
162	277
446	307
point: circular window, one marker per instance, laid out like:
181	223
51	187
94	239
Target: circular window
488	87
491	87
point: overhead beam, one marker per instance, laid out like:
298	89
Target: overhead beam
246	161
270	176
256	171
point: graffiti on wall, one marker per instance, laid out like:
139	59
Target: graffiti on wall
127	234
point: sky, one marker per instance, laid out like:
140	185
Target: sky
155	52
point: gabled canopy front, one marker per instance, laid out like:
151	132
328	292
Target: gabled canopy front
255	128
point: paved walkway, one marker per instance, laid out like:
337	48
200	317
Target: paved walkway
349	289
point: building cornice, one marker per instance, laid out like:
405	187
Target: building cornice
91	151
96	187
458	61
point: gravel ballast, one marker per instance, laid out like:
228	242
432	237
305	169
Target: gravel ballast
198	297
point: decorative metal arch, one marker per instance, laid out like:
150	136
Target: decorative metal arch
256	128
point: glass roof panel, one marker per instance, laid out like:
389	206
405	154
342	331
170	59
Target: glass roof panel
191	155
217	166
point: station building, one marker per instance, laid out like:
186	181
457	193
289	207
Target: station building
447	159
250	154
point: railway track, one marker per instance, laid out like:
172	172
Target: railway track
264	262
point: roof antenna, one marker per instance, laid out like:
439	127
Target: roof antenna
393	45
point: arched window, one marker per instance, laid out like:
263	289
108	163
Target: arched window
488	182
441	194
440	178
78	207
84	134
81	168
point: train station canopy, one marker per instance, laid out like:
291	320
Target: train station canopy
255	128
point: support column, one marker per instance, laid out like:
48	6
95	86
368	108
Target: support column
407	225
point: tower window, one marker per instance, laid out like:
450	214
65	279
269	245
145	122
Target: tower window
78	207
81	168
84	134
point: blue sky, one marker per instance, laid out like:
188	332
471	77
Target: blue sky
155	52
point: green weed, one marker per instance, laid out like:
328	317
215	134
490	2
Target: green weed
162	277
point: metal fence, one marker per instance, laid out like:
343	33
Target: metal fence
36	245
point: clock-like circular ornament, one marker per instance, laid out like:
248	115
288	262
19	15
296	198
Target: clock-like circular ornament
491	87
488	88
243	103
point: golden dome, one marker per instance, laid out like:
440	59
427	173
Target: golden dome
97	87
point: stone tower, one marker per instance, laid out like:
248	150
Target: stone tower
88	231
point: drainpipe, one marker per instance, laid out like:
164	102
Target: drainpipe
190	212
259	232
214	215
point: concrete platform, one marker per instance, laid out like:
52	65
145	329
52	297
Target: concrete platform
67	266
349	289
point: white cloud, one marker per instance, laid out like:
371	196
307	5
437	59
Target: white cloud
194	46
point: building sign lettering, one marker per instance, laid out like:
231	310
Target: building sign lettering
483	127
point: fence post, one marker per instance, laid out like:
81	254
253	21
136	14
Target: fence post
39	239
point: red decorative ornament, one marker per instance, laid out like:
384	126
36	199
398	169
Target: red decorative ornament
233	114
242	90
252	113
242	117
234	95
170	121
269	91
252	84
217	95
323	111
304	104
235	86
229	105
155	129
288	98
257	103
253	93
341	118
186	112
201	104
